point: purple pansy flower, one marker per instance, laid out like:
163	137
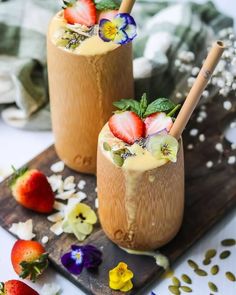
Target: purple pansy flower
121	29
81	257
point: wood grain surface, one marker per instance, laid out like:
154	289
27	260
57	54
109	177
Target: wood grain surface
210	194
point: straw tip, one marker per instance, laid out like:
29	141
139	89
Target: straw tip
220	44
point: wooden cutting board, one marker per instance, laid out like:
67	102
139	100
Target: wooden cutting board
210	194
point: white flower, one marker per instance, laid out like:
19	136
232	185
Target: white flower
23	230
50	289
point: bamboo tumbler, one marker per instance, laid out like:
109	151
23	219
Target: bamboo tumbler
82	89
140	210
144	211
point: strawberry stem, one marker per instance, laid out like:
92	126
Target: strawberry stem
34	269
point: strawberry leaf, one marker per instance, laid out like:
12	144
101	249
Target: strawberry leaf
17	173
34	269
159	105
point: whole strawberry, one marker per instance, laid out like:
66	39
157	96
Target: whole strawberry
15	287
32	190
29	259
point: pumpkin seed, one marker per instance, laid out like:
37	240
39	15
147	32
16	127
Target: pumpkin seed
186	279
230	276
176	281
228	242
213	287
210	253
225	254
200	272
214	270
192	264
174	290
186	289
106	147
206	261
118	160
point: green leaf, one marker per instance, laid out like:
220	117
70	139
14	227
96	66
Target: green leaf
143	104
159	105
107	4
128	104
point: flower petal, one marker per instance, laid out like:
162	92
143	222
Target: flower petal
116	285
80	236
120	21
127	276
128	286
70	264
121	37
127	19
107	30
131	31
84	228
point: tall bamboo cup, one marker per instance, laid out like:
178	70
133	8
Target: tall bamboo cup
144	211
82	89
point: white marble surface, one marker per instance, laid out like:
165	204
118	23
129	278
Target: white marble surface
17	147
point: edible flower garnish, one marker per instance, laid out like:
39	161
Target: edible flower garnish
79	221
120	30
81	257
120	278
163	147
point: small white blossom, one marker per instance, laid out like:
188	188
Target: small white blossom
202	137
193	132
190	146
219	147
233	146
231	160
227	105
209	164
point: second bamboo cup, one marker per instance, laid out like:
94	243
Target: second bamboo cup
82	90
144	211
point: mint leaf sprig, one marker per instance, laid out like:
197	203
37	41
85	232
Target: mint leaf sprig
143	109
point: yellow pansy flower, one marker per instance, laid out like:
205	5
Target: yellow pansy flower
120	278
80	221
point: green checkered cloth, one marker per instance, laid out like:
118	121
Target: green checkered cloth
165	29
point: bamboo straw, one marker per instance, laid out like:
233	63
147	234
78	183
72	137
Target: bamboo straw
196	91
126	6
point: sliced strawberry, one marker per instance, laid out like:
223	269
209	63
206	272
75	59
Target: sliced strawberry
15	287
80	12
126	126
157	122
108	14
